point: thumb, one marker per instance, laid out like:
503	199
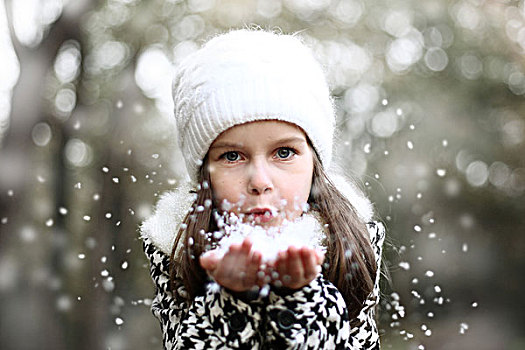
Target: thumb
209	260
320	256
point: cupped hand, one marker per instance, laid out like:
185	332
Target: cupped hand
237	270
297	267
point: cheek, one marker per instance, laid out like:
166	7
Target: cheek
225	187
300	190
307	179
297	190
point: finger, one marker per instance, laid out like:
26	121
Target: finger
281	264
282	269
309	260
246	246
320	256
252	268
235	248
209	260
225	266
231	256
295	265
255	260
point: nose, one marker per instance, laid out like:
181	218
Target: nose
260	181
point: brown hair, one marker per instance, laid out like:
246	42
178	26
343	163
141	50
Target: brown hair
349	262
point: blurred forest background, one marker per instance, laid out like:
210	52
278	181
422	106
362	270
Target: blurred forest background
431	119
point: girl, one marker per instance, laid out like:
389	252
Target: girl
256	124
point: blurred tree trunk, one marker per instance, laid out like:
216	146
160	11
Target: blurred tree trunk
41	323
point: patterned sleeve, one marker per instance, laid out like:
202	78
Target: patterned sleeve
212	320
365	335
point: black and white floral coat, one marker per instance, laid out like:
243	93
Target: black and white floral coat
313	317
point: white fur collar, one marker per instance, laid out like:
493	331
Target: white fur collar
162	227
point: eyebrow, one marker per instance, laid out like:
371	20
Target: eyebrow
292	139
225	144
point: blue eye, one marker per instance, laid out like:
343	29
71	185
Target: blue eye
231	156
285	153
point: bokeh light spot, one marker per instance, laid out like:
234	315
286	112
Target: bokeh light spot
41	134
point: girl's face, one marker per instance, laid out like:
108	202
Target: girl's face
262	171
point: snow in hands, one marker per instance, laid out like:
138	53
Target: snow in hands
305	231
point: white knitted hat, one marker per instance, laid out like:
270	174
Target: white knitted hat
245	76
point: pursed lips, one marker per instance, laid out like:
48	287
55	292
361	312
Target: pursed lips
262	214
